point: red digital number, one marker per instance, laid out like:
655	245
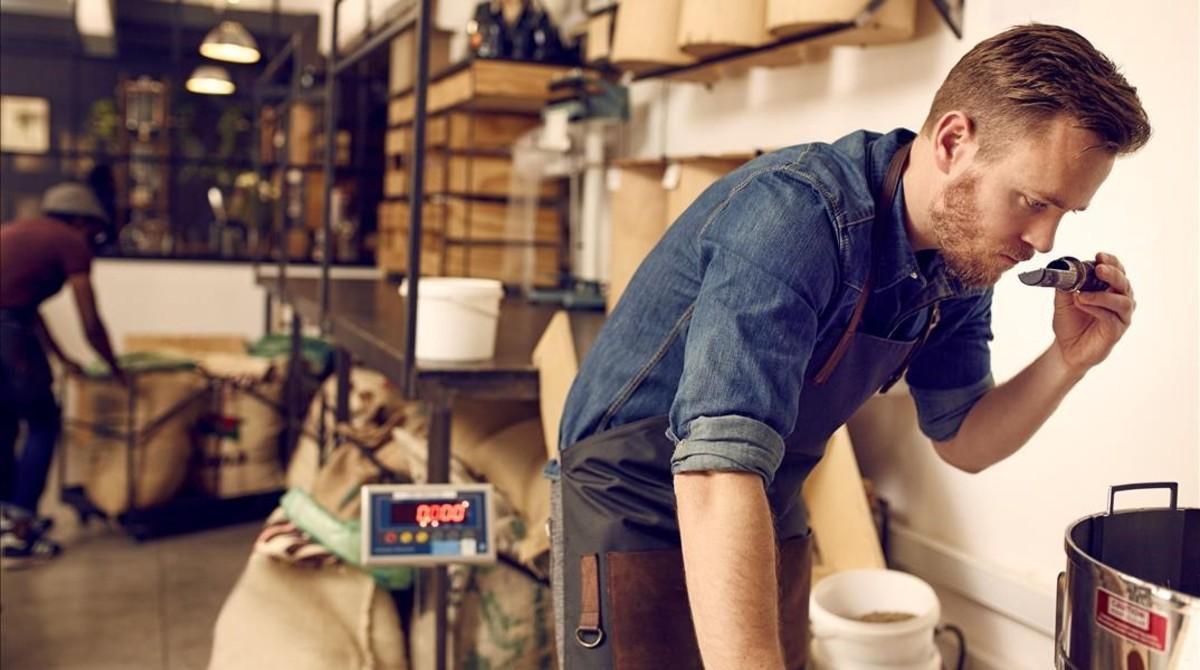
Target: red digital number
443	513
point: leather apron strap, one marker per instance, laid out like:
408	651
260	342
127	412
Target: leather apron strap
883	207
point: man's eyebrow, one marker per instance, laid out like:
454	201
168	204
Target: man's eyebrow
1054	201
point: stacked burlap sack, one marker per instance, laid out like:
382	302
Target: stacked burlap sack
500	614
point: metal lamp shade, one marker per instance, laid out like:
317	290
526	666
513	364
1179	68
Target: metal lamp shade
210	80
230	42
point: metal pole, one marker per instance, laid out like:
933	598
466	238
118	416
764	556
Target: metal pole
416	192
268	313
376	41
256	164
283	161
331	114
131	440
438	472
439	428
359	157
341	410
295	381
289	50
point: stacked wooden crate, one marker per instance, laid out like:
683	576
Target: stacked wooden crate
476	112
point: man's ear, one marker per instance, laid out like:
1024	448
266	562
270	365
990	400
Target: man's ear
953	140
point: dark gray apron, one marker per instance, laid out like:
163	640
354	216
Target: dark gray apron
626	603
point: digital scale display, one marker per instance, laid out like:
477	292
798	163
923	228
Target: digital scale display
427	524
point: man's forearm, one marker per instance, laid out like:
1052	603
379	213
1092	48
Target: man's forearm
97	336
729	560
1003	420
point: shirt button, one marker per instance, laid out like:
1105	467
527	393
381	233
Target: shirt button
912	276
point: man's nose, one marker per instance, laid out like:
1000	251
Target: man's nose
1041	234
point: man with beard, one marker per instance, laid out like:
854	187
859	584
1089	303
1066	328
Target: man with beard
37	257
785	296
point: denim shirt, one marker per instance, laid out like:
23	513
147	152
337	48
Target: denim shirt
757	280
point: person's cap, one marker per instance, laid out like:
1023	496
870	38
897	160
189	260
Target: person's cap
73	199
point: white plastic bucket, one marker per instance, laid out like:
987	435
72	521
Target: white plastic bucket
840	640
456	318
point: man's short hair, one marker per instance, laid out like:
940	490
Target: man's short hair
1015	82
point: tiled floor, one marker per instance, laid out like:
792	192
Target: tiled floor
111	603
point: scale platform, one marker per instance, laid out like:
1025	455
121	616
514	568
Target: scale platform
427	524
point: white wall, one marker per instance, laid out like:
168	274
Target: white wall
1134	418
136	296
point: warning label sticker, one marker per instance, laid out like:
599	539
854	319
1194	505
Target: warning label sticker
1131	621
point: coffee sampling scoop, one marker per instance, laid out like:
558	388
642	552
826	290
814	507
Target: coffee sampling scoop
1067	274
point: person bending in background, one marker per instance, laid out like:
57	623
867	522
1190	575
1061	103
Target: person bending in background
786	295
37	257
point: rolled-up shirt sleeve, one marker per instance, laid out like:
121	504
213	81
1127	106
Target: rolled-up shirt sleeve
770	264
954	369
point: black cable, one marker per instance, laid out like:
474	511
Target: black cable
962	642
522	569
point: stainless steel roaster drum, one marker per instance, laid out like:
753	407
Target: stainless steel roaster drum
1130	597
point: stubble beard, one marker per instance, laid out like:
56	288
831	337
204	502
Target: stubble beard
956	225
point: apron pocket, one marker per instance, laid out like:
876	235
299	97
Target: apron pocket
649	618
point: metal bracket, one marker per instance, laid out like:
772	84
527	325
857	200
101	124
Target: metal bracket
952	14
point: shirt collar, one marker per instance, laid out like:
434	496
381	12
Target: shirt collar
895	259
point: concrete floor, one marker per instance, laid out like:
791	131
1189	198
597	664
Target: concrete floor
111	603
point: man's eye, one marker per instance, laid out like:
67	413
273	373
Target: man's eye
1035	205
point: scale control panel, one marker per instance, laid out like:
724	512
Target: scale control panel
427	524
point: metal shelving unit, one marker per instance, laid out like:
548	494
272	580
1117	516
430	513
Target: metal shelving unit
367	319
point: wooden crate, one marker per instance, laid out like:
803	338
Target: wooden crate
509	263
468	238
463	175
396	142
395	182
463	131
391	256
479	130
473	220
441	256
487	85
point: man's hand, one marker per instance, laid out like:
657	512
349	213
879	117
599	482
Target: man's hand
119	375
1088	325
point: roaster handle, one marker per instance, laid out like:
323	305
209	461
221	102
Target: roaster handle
1172	486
